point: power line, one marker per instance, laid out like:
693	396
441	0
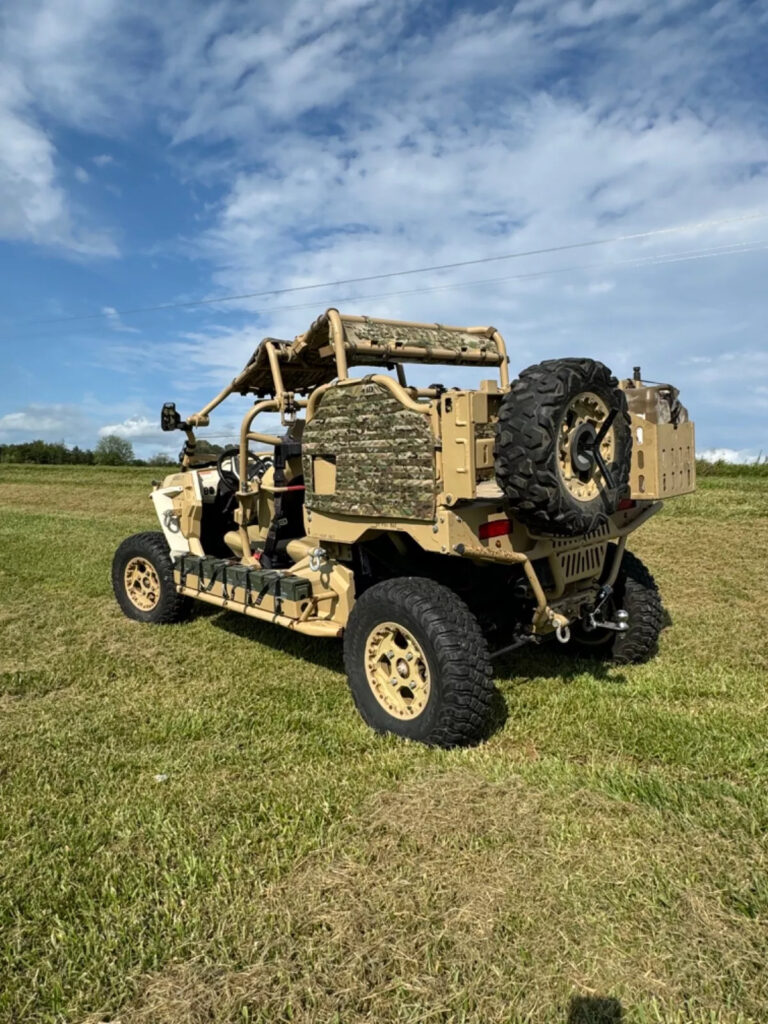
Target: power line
638	262
675	229
676	257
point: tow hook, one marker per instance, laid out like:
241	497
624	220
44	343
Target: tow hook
316	559
593	619
562	628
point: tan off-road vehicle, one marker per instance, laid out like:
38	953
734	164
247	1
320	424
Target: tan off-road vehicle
432	528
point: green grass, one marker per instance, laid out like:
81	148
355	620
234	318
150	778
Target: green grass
601	859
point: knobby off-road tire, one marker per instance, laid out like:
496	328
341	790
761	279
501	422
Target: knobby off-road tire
637	593
550	407
142	578
422	635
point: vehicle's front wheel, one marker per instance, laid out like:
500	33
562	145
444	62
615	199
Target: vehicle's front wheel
418	664
142	578
636	592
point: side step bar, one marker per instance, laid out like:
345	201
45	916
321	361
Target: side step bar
271	595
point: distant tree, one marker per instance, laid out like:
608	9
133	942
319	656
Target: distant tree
161	459
45	453
80	456
113	451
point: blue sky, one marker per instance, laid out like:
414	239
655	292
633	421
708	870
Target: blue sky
160	153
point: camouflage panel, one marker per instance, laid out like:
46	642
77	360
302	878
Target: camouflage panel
384	455
428	337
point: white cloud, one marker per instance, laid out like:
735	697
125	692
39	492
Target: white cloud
353	138
36	207
473	140
138	428
743	457
44	422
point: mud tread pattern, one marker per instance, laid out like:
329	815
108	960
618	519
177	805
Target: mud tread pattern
172	607
642	600
525	453
463	662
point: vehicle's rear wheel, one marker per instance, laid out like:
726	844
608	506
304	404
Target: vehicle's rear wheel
418	664
636	592
564	446
142	578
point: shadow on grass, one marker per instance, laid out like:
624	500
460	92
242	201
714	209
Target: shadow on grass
544	662
326	653
550	662
594	1010
521	667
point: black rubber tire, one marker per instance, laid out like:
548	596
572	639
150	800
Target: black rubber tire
459	708
153	547
526	446
636	592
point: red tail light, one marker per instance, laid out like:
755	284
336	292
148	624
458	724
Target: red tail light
496	528
626	503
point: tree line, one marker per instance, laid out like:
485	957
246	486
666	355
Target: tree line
116	451
110	451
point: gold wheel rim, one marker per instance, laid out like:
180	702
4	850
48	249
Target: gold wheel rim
142	584
397	671
585	408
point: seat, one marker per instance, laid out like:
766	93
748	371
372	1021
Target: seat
235	544
297	548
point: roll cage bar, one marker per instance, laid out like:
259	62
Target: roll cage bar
279	371
335	341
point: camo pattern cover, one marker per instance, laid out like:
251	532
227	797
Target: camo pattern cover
385	455
428	338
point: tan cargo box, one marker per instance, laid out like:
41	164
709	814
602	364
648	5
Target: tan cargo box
663	448
663	459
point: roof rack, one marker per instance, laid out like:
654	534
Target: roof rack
336	341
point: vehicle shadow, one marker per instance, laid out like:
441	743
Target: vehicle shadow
550	661
518	667
594	1010
326	653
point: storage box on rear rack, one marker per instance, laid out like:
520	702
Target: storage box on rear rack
663	449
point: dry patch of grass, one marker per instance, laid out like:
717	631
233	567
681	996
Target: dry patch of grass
456	898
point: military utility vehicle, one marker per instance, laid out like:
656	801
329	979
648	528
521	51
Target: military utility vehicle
432	528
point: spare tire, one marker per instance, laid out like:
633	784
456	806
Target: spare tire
564	446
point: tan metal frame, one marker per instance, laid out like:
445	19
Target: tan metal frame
336	323
419	400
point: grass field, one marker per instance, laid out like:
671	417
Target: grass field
601	859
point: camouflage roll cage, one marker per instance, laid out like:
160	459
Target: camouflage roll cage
334	343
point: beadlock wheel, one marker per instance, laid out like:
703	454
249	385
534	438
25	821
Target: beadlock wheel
579	426
142	584
563	447
418	664
397	670
143	580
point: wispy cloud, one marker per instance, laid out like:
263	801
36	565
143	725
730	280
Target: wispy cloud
135	428
351	138
114	321
744	456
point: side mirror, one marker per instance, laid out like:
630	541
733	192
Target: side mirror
169	418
